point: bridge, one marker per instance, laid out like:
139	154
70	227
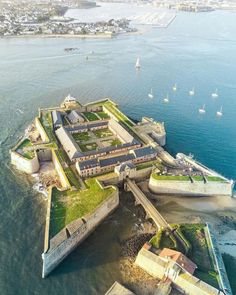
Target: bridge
151	211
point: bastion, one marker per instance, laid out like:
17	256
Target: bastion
94	147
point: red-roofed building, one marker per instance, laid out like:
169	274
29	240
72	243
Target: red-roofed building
179	258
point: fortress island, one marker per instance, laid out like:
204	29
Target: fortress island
95	149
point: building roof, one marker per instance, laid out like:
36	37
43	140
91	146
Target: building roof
116	160
74	117
127	165
88	164
56	118
179	258
144	151
68	143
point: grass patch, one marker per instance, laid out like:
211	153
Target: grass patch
83	136
170	177
72	177
154	163
70	205
215	178
164	239
103	115
100	133
46	121
91	116
199	252
116	142
197	178
119	115
26	154
88	147
62	156
25	143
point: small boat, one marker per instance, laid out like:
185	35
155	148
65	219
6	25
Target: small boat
174	87
219	113
215	94
202	110
150	95
138	65
166	99
191	92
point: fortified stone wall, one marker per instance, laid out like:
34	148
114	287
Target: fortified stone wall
44	155
70	237
41	130
26	165
191	285
151	263
183	281
63	179
197	188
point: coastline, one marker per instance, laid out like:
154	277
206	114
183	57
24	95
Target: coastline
68	36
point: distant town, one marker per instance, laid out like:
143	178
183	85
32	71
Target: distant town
45	18
20	18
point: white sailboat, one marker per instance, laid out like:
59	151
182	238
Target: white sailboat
202	110
150	95
174	87
219	113
215	94
138	65
192	92
166	99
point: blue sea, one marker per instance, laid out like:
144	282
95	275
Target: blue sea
196	50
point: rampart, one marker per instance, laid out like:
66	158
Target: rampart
195	188
63	179
41	130
70	237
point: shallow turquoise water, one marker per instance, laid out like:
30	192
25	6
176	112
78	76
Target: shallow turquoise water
196	50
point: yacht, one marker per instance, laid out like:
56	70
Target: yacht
166	99
191	92
174	87
150	95
138	65
219	113
202	110
215	94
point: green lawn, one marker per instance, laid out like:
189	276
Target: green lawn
170	177
199	252
88	147
25	143
215	178
46	121
27	154
83	136
72	177
197	178
62	155
91	116
100	133
119	115
70	205
116	142
103	115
